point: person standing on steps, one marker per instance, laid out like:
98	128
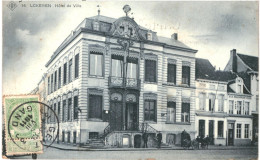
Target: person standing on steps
159	139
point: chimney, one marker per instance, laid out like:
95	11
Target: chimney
233	56
175	36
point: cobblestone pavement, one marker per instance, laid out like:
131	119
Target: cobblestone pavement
232	154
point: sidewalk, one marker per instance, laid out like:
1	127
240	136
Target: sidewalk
70	147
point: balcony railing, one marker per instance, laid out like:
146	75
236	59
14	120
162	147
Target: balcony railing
120	82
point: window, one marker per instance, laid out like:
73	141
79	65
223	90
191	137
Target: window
64	73
51	83
212	87
63	110
149	36
220	129
171	112
246	130
59	78
149	110
96	64
231	107
239	88
211	102
150	71
238	130
69	109
95	106
58	110
68	137
202	128
54	117
186	75
75	107
51	114
185	112
96	26
239	107
132	68
246	108
220	103
117	66
202	101
70	70
55	80
63	137
171	77
74	137
77	66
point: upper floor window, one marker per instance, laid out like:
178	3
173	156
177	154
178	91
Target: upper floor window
239	88
69	108
231	107
150	110
149	36
55	80
211	102
220	103
238	130
185	112
150	70
59	109
59	77
239	107
64	73
51	83
96	26
246	108
186	75
132	68
171	112
171	77
75	107
70	70
76	66
117	66
202	101
63	109
96	64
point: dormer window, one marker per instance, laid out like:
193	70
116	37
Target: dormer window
149	36
239	88
96	26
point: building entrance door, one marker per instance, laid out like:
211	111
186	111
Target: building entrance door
231	134
211	132
131	116
115	119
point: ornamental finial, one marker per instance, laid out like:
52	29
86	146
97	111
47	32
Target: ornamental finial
126	9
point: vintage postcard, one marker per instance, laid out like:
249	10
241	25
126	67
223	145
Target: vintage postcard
131	80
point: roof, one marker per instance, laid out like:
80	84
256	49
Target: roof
205	70
250	61
171	41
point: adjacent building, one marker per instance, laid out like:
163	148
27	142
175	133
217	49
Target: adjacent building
114	79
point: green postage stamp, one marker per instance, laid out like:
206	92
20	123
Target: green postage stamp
22	124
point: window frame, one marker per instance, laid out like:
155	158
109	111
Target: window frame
169	76
232	106
188	75
89	65
76	74
59	78
101	108
220	130
221	98
182	113
246	135
146	80
238	131
155	110
202	100
174	108
65	73
239	111
70	71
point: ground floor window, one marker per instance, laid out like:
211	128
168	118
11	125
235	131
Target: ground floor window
185	112
93	135
68	137
74	137
171	112
149	110
95	106
63	136
220	128
246	130
202	128
238	130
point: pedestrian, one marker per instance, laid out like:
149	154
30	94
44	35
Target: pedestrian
145	138
159	139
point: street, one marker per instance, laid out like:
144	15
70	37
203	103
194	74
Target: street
235	154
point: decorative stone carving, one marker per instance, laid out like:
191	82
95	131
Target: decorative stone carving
95	91
185	63
130	98
185	100
150	56
96	48
171	99
116	97
172	61
151	96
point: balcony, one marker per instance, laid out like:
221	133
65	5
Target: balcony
119	82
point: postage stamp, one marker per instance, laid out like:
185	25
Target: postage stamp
22	124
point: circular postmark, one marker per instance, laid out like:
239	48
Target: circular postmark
32	121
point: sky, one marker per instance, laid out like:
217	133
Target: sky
32	34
